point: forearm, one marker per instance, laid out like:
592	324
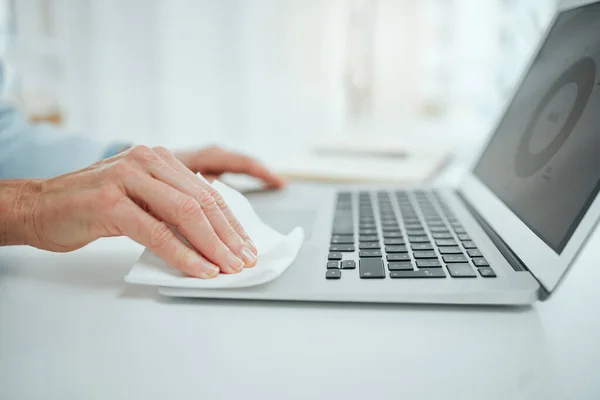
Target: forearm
17	201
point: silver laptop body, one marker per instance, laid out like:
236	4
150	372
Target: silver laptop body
506	235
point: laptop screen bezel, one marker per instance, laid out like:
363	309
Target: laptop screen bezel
542	261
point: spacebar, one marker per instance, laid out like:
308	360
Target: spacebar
422	273
371	268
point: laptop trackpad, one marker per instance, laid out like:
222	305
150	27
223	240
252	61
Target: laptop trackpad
284	221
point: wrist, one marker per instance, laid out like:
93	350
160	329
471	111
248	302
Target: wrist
18	200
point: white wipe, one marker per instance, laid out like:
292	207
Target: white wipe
276	252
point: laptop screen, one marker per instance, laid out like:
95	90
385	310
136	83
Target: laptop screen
543	161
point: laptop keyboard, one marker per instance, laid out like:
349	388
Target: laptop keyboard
401	235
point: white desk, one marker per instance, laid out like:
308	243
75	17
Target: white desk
70	328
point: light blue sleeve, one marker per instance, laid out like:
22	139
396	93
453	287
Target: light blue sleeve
41	151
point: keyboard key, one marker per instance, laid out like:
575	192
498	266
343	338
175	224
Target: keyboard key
342	239
415	232
369	246
389	222
400	266
487	272
343	230
391	228
424	254
418	239
450	250
367	232
395	234
435	223
333	274
349	264
464	236
393	241
474	253
461	271
421	246
335	256
469	245
480	262
429	264
398	257
368	238
445	242
367	225
440	229
459	229
371	268
341	247
369	253
396	249
414	226
454	258
422	273
333	265
441	235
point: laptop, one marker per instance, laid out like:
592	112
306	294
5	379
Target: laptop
506	235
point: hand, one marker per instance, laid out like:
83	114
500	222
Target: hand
140	193
212	162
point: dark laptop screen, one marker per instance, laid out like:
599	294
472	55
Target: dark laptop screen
543	161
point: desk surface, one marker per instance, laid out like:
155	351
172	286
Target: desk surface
70	328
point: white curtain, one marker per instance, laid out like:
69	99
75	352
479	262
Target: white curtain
289	72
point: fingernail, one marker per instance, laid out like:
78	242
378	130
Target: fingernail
212	271
252	246
235	263
249	256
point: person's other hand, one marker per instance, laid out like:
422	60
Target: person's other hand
213	161
141	193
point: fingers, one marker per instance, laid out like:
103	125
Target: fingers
189	216
219	161
133	222
223	220
160	183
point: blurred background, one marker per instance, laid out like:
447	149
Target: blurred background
267	75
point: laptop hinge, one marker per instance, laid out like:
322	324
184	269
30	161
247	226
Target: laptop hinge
510	256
